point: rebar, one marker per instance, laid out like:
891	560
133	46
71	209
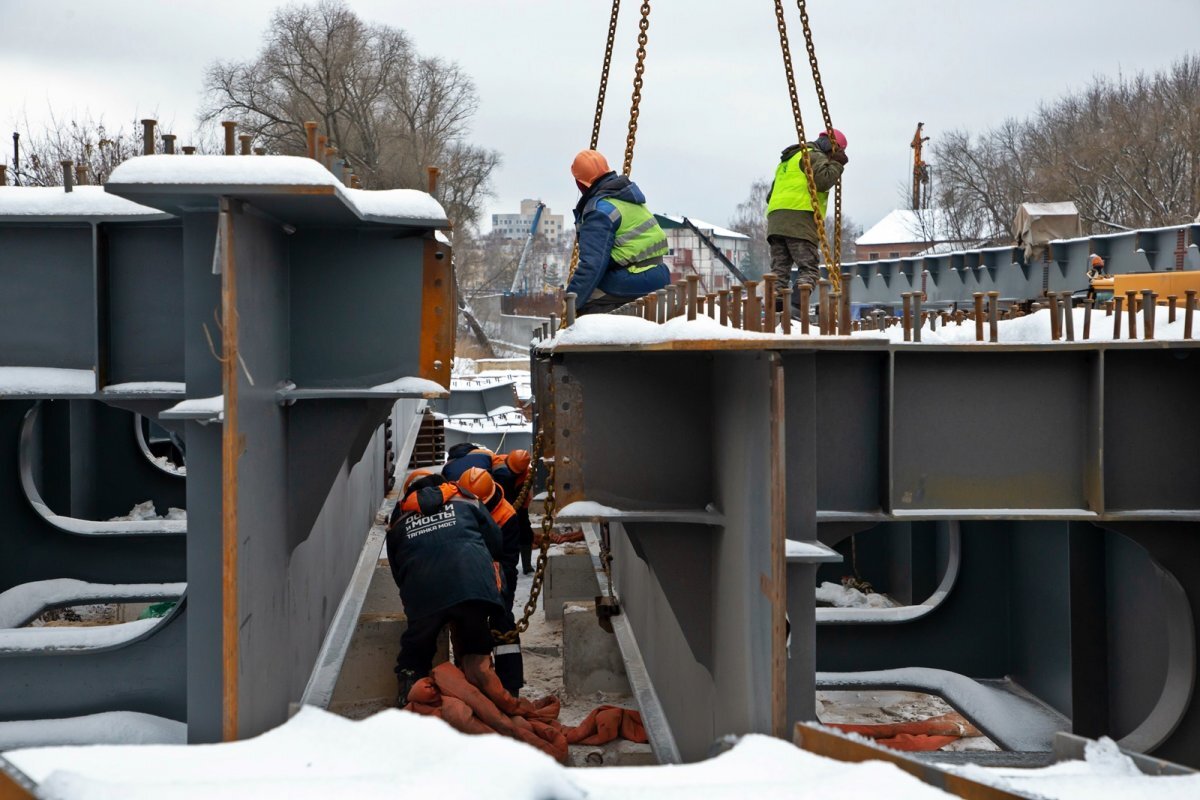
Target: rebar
1087	318
993	316
569	308
1069	316
1171	300
1149	301
844	308
735	307
752	319
81	176
723	304
769	302
918	315
906	300
148	136
1055	329
1189	304
824	324
169	143
978	296
244	140
1131	307
1117	305
230	127
3	174
189	149
68	175
710	305
660	306
693	282
553	325
786	315
310	138
835	317
262	151
805	306
650	307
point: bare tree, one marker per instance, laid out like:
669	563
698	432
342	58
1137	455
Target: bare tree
390	111
750	218
1126	151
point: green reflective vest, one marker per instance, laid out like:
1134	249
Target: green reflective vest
791	187
640	243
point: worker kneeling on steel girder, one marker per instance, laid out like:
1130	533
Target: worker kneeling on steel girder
621	245
507	655
444	549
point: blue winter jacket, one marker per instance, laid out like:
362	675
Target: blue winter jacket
597	230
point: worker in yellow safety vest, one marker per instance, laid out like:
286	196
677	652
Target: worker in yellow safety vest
791	226
621	245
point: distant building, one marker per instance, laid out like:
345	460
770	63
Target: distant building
904	233
688	255
516	226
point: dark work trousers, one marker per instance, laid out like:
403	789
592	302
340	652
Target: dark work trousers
510	666
785	251
526	540
470	628
602	303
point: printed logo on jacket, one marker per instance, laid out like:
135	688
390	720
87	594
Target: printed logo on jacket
417	525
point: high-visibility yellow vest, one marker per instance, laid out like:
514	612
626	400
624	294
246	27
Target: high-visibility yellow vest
640	243
791	187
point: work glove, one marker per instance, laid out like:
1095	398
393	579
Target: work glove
839	156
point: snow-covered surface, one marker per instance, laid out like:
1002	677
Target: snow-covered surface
110	727
1066	208
810	551
1013	720
708	228
46	380
394	754
145	511
145	387
83	201
410	385
1035	328
18	640
586	509
610	329
221	171
25	601
408	203
198	408
1105	774
905	226
275	171
845	597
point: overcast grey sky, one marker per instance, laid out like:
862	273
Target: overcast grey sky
714	111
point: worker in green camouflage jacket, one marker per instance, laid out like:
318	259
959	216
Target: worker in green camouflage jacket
791	226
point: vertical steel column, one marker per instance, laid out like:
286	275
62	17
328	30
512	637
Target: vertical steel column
231	448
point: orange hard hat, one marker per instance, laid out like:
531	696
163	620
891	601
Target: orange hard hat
415	475
1097	261
588	166
518	461
478	481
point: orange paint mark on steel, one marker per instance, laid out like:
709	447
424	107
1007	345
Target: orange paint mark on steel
231	446
437	313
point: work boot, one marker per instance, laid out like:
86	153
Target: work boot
406	678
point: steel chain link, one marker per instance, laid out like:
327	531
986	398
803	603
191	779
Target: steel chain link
828	120
835	274
639	69
595	141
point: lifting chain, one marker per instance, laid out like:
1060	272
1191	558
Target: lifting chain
548	511
828	120
595	142
831	264
639	69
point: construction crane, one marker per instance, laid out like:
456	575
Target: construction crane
716	251
920	168
537	217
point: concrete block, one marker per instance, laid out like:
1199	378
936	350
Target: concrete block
591	657
382	596
570	577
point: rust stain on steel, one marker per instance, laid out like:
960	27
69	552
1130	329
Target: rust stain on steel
566	423
438	305
832	745
778	516
232	445
11	790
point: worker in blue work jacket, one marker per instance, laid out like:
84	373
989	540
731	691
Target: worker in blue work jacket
621	245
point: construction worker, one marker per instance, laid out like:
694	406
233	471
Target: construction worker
511	470
791	226
461	457
621	245
507	656
1095	270
443	547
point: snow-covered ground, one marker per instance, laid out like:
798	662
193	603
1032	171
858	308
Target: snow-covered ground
605	329
839	596
110	727
145	511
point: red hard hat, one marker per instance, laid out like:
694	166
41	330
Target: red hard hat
478	481
837	136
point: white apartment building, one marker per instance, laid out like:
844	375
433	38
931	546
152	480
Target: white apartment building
516	226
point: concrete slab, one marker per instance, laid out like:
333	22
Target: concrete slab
591	657
570	577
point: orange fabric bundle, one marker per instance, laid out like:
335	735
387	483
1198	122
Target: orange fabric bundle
926	734
448	695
